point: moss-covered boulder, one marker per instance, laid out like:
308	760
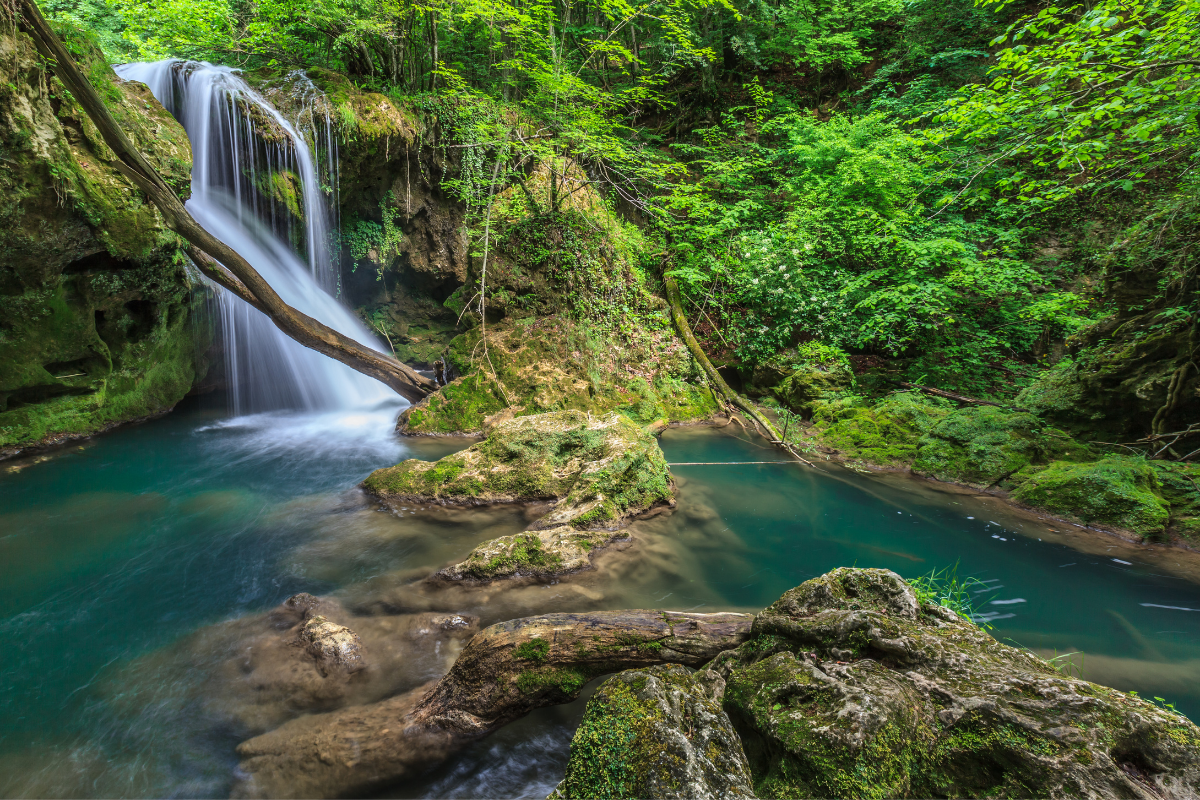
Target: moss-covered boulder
658	732
983	445
851	687
1121	491
598	472
1180	487
804	377
98	321
556	363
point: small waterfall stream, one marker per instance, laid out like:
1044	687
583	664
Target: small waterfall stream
253	176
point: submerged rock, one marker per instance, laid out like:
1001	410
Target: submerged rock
658	732
849	687
540	553
601	471
333	646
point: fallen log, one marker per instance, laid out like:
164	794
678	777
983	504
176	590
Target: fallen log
504	672
228	264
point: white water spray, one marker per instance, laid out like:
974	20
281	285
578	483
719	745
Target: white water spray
249	163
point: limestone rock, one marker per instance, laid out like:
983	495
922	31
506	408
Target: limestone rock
851	688
601	471
553	362
333	646
657	732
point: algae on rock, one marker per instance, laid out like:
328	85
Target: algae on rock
849	687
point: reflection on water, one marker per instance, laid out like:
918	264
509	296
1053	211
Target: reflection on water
136	577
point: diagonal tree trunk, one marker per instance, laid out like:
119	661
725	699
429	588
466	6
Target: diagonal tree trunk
219	261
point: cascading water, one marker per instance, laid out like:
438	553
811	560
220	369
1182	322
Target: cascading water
253	176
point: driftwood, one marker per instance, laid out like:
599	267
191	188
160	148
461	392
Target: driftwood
675	302
219	261
504	672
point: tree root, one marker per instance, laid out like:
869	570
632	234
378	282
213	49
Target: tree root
505	671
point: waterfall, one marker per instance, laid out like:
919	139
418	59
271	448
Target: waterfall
253	177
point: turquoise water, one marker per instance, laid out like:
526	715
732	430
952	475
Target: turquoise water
114	554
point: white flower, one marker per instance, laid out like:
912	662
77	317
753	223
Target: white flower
795	252
754	281
808	247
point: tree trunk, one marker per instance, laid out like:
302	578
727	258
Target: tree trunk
502	674
304	329
685	332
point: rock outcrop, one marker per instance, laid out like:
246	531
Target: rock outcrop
657	732
98	320
599	472
850	687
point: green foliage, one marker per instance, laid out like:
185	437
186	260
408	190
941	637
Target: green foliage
1082	98
370	240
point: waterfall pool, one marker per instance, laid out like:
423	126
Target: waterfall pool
116	551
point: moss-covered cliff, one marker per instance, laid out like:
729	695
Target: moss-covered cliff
99	319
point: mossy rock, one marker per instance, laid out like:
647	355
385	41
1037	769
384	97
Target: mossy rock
1122	491
852	688
600	470
886	432
555	551
1180	484
981	446
658	732
556	363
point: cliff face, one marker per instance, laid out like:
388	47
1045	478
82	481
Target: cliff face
98	314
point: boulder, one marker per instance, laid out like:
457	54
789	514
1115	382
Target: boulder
658	732
851	687
552	363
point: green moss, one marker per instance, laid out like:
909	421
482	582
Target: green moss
604	760
534	650
1120	490
570	682
142	378
525	555
983	445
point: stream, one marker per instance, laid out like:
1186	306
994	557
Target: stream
116	551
